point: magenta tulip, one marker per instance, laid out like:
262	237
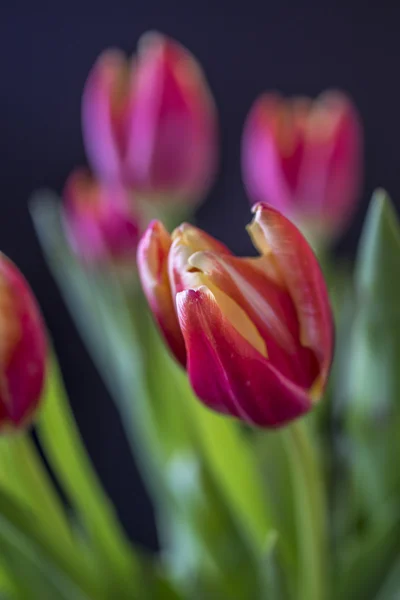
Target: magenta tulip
99	220
151	123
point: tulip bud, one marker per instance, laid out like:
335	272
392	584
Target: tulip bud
99	220
151	124
257	332
305	158
22	349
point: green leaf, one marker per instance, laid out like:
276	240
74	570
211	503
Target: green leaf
373	409
65	451
376	350
24	546
366	559
23	474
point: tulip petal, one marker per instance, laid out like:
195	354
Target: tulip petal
152	261
172	124
275	236
186	240
272	151
334	152
227	373
103	111
268	305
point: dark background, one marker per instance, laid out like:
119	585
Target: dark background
46	52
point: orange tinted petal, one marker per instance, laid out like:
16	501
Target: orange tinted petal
274	235
152	260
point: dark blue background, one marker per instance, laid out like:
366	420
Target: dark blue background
46	52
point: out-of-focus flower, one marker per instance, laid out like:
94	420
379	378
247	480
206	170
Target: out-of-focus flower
98	219
22	349
255	334
305	158
151	124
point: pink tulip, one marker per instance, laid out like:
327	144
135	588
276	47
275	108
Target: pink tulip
151	124
305	158
254	334
22	350
99	220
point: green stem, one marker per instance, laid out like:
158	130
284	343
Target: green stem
310	509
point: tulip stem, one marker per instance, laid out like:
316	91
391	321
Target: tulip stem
310	509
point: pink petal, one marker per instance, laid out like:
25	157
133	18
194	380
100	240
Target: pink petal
103	114
172	122
268	305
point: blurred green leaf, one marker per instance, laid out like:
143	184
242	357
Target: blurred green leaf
365	560
390	590
27	550
64	449
373	411
371	407
376	350
24	476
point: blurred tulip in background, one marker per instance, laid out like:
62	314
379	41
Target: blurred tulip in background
305	158
22	349
151	123
99	219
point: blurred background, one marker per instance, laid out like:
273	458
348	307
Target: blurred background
294	47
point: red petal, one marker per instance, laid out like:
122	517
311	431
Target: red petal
23	350
268	305
227	373
274	235
152	261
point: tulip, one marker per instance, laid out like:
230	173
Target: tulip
151	124
305	158
255	334
98	219
22	349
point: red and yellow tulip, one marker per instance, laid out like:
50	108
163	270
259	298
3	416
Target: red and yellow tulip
255	334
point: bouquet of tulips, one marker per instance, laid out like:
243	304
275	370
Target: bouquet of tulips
260	395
